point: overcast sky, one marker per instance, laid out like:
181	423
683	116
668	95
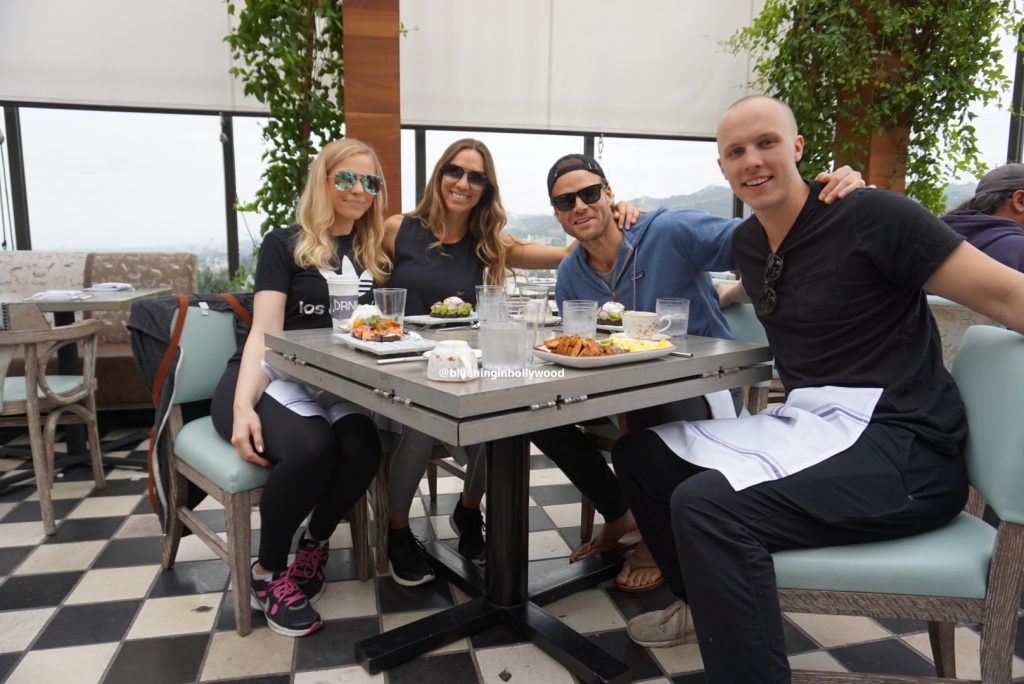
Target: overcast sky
106	180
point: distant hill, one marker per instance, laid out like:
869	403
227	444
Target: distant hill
714	199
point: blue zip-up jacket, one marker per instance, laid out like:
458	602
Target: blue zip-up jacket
667	253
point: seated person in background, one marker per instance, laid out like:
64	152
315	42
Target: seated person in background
993	220
666	254
840	292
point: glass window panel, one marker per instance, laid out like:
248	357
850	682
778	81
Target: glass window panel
118	181
249	165
6	210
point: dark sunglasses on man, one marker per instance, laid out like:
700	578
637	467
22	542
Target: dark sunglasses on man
769	297
589	195
477	179
346	180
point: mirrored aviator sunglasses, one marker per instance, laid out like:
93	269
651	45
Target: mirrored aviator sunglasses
454	172
589	195
346	180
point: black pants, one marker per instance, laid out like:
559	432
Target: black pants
584	465
317	467
714	544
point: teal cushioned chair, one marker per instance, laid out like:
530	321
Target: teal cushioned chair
745	327
197	454
966	571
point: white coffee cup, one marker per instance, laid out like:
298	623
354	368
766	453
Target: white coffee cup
343	293
452	361
644	325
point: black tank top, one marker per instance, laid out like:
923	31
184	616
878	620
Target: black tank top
432	273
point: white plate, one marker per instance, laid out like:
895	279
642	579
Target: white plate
600	361
607	327
405	346
658	337
427	319
476	352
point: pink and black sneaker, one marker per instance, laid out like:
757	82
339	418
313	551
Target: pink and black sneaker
307	570
287	609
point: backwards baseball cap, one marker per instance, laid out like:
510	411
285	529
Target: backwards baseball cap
570	163
1004	178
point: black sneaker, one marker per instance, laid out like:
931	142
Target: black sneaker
308	568
407	559
468	523
286	607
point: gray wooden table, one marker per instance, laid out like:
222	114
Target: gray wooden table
502	412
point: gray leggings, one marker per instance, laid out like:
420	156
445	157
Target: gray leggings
409	461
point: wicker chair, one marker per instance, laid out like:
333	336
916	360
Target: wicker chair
40	402
966	571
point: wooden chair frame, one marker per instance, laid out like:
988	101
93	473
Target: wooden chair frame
39	342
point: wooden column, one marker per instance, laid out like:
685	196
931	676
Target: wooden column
372	94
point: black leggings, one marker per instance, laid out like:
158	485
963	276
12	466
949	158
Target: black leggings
316	467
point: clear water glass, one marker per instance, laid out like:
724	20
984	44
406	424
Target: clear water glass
391	302
579	317
677	310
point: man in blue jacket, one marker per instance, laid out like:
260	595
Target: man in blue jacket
667	253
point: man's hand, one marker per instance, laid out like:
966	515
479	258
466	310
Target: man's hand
625	214
731	294
839	183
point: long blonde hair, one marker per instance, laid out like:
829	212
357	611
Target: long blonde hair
486	219
315	213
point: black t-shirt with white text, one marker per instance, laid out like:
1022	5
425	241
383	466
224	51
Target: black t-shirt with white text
851	312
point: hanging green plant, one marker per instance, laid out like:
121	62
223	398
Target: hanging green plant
914	70
291	60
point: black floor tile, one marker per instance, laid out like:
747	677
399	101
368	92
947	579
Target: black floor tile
167	660
85	529
198	577
36	591
133	551
898	626
334	645
618	645
7	663
29	511
341	565
444	505
538	568
213	519
9	558
13	493
539	520
270	679
450	668
796	640
886	657
394	598
143	507
547	495
631	604
692	678
94	623
226	614
122	488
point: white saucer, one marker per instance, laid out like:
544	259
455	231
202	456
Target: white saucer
658	337
476	352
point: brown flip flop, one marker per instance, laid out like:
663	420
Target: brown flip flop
641	564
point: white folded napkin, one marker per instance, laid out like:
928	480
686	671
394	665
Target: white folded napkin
60	294
110	287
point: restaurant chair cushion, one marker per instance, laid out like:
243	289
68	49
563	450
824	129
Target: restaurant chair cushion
14	388
950	561
199	445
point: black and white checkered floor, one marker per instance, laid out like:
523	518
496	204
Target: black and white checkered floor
91	604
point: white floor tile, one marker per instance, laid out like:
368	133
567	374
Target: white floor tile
548	476
60	557
342	675
262	652
520	663
105	507
588	612
78	664
547	544
21	534
838	630
348	600
113	584
393	620
18	628
815	660
190	614
968	650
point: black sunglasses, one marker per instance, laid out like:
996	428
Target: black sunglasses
477	179
346	180
589	195
769	298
